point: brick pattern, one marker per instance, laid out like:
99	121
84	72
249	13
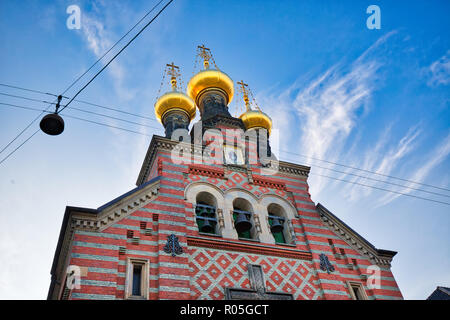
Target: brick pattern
214	270
202	273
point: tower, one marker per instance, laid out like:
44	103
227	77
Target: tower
174	109
215	215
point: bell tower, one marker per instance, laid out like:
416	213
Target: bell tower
211	89
242	227
257	123
174	109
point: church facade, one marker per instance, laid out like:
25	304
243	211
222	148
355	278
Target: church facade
215	215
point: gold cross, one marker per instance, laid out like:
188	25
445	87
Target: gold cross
245	94
243	85
205	52
173	71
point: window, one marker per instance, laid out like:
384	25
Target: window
242	216
137	280
277	223
205	211
357	291
137	284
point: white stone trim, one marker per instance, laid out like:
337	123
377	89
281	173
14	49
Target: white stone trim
145	274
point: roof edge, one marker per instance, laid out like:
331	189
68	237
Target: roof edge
379	252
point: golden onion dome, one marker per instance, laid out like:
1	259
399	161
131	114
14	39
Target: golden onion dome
210	78
174	101
256	119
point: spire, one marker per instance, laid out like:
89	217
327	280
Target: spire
174	109
244	90
206	55
174	73
253	118
211	89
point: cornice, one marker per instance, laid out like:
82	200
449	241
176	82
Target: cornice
357	242
247	248
166	144
96	220
110	215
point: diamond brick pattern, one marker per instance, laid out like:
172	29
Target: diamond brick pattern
224	269
237	180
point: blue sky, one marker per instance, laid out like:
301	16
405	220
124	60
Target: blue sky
372	99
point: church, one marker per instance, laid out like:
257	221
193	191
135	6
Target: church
215	215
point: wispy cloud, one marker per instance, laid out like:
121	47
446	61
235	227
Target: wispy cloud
434	158
318	118
439	71
322	118
383	158
99	41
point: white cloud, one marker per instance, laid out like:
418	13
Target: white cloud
325	110
434	158
440	71
99	41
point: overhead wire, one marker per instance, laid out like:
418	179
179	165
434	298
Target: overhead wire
84	102
115	56
313	173
95	63
285	151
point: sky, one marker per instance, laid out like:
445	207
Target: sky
373	99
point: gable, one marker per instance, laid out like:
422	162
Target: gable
353	239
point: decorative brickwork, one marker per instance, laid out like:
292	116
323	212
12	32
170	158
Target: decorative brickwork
214	270
135	227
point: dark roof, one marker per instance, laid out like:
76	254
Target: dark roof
441	293
65	221
379	251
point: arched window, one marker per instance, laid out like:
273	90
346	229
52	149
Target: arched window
205	211
243	218
277	220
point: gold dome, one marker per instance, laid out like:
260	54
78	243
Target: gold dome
256	119
210	78
172	101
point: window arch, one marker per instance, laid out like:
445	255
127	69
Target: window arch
205	211
243	219
277	222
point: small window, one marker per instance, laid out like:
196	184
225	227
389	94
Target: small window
243	221
205	211
357	291
242	217
137	279
278	234
277	223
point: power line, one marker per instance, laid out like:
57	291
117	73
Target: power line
25	89
368	171
73	83
115	56
81	110
80	101
382	181
378	188
313	173
9	154
315	165
338	164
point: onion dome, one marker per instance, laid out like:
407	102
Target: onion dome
253	119
174	101
210	79
256	119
